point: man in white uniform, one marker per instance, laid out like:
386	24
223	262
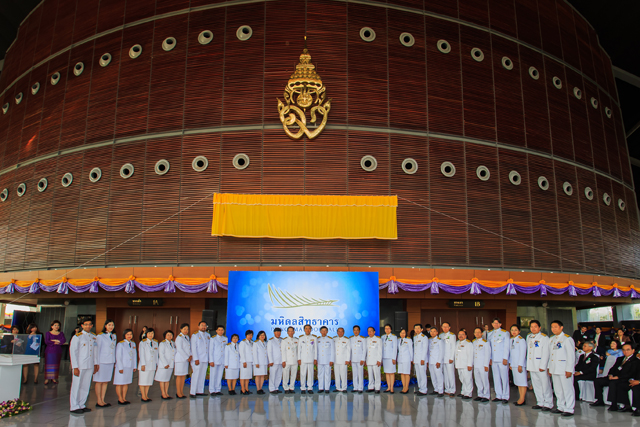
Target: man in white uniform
374	360
481	361
500	341
307	358
449	349
289	349
358	358
325	357
436	362
342	345
420	358
84	360
200	352
217	346
274	356
537	363
561	365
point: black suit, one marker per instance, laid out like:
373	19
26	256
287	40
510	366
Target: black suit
588	366
601	342
618	388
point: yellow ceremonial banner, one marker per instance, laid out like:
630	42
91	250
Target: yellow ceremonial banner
305	217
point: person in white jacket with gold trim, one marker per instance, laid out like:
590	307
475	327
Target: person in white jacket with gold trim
166	363
374	360
464	364
537	365
84	360
561	368
148	363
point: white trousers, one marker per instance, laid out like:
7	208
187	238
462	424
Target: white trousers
324	377
80	387
500	380
290	372
306	370
437	379
421	376
340	375
542	388
357	371
275	376
449	378
197	378
466	378
482	382
565	393
215	378
374	377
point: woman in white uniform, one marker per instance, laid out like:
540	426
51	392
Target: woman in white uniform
232	363
106	358
389	354
260	360
126	356
148	363
246	361
405	358
518	363
166	361
183	357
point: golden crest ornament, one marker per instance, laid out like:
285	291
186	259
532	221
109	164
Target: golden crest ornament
304	90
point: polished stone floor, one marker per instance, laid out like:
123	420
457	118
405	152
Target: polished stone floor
51	408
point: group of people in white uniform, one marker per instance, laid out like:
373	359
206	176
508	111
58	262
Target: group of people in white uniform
548	360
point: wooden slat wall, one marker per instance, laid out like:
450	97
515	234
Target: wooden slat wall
596	130
5	212
536	116
508	93
550	27
12	145
570	51
53	105
615	168
19	218
39	229
528	22
33	114
579	119
590	217
502	17
569	217
86	19
476	11
608	222
584	47
627	256
559	117
443	7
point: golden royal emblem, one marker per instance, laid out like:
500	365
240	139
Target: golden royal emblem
304	90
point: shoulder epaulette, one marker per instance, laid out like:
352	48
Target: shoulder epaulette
392	334
78	334
163	340
566	335
121	341
91	333
543	334
301	336
503	330
144	340
271	338
484	340
230	343
468	340
314	335
155	340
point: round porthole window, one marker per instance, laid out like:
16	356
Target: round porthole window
22	188
244	33
78	69
200	164
407	39
483	174
557	82
368	163
607	111
127	170
42	184
594	102
168	44
507	63
367	34
606	198
135	51
621	204
105	59
543	183
162	167
568	188
18	98
241	161
409	166
515	178
4	194
35	88
67	179
577	93
448	169
205	37
443	46
534	73
95	174
55	78
5	108
477	54
588	193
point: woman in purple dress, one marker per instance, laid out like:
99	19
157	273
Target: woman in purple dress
54	339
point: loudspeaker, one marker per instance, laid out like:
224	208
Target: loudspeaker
211	317
401	320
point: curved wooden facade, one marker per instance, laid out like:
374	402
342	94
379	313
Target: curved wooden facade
389	101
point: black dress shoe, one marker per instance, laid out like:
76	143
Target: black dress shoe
101	406
126	402
180	397
107	404
310	391
303	392
556	411
193	396
546	409
536	407
166	398
484	399
273	392
613	408
459	395
279	391
636	413
77	411
626	409
387	391
86	410
477	399
360	392
421	394
260	391
232	392
505	401
404	392
370	390
326	392
433	393
336	391
496	400
121	403
320	391
440	394
466	397
377	391
567	414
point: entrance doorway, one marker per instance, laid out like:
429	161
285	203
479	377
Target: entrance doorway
160	319
462	318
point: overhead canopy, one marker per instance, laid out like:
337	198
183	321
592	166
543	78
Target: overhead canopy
305	217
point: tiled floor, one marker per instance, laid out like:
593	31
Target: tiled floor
51	408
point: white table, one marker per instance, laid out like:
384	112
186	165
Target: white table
11	374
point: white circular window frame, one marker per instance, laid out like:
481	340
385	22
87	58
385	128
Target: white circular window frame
78	68
487	173
477	54
410	161
127	166
204	160
42	184
5	108
577	92
4	195
557	82
543	183
443	46
534	73
98	174
606	198
607	111
69	177
237	158
18	98
515	178
567	188
588	193
169	44
452	169
159	163
507	63
35	88
55	78
594	103
132	52
368	158
621	205
105	59
21	190
244	35
205	37
372	34
408	43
